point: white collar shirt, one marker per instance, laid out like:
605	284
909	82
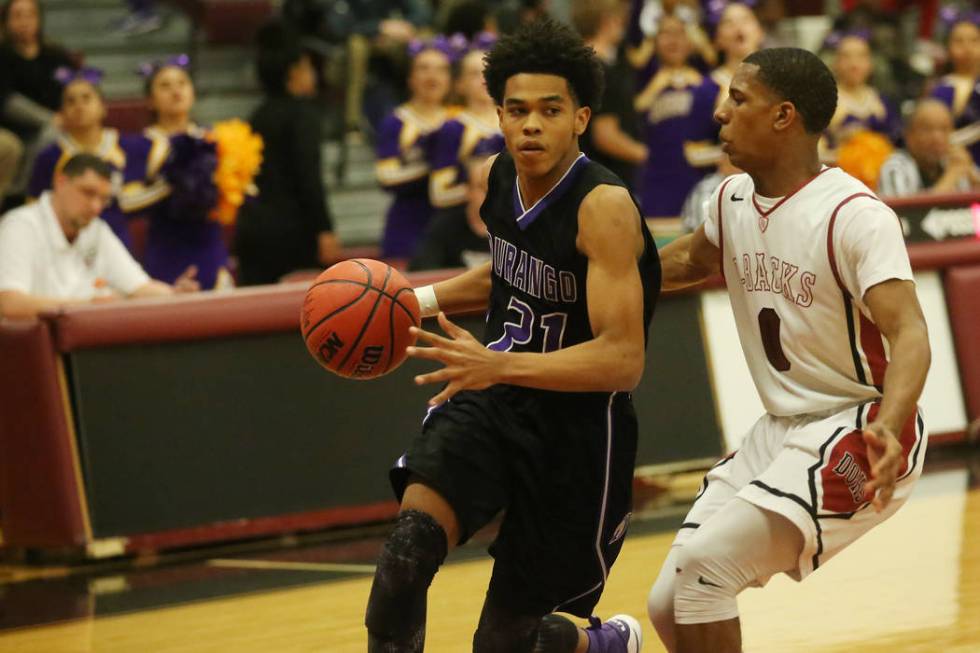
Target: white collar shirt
37	259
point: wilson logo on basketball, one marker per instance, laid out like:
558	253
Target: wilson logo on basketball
370	358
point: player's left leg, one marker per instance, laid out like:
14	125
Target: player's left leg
806	507
575	525
739	546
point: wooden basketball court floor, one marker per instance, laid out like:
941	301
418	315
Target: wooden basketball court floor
911	585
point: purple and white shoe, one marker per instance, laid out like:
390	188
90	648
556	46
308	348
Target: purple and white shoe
620	634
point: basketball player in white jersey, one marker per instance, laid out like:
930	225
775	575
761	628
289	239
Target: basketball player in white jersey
833	333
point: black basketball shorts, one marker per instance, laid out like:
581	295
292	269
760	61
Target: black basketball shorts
561	467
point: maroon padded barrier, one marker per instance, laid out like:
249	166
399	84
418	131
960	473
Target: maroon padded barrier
197	316
200	316
963	304
39	494
946	254
928	199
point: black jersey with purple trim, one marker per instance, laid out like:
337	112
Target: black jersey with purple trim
538	298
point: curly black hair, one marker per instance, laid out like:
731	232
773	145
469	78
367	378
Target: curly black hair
802	78
548	47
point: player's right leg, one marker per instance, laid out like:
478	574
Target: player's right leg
425	530
451	481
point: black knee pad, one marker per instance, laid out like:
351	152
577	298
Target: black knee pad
408	562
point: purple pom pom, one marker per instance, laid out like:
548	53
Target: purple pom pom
190	172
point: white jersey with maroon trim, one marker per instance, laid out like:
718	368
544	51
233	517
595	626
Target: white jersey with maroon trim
796	276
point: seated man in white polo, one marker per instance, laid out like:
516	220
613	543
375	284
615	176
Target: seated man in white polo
57	251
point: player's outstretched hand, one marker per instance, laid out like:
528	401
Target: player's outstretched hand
468	364
885	456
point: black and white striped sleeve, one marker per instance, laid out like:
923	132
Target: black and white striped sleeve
899	176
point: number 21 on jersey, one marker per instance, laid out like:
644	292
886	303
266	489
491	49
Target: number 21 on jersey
522	330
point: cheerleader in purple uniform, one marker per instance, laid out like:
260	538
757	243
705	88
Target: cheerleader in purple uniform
180	234
82	112
472	135
403	149
677	107
960	90
737	35
859	106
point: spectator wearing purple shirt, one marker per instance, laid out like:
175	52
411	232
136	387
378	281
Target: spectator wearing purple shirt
960	90
82	112
404	149
677	107
473	134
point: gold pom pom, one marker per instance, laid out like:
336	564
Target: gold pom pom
863	154
239	158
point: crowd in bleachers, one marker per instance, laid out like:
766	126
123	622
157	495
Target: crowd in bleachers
908	120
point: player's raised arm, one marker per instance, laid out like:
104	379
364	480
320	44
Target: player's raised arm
688	260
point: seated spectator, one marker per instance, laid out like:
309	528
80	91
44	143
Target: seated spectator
29	63
612	136
677	107
29	58
960	90
695	210
288	226
859	106
403	147
929	163
473	134
57	251
457	237
82	112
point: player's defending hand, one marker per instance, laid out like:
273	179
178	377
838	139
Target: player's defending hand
468	364
885	456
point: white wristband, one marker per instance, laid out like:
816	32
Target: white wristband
428	305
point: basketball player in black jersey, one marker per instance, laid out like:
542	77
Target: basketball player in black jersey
537	420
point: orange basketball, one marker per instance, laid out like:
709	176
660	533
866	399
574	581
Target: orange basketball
356	316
